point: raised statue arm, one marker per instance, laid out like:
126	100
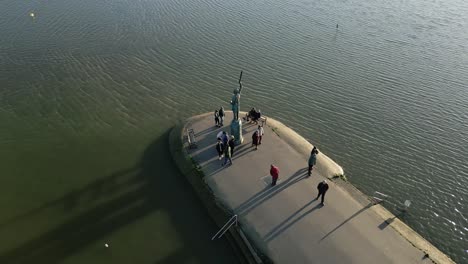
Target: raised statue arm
240	83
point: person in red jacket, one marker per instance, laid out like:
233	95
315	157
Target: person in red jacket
274	172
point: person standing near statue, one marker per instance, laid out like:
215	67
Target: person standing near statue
225	139
221	116
260	134
227	155
255	139
220	148
216	117
232	145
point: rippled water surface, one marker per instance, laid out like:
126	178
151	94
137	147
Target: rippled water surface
89	90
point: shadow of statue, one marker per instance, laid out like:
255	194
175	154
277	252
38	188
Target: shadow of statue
115	201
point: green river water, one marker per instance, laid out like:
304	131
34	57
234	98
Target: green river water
90	89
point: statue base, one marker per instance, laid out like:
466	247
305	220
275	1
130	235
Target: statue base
236	131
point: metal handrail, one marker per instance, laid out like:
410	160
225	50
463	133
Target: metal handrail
379	197
229	223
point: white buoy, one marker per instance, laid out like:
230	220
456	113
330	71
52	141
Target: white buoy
106	245
31	14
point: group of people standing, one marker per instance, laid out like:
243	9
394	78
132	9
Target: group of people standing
225	148
219	117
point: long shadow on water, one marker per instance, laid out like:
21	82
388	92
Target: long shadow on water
124	197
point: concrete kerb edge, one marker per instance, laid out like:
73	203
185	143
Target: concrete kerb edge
330	169
217	211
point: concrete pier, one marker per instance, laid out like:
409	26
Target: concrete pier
285	222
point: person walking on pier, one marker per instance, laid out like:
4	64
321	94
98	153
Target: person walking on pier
274	172
220	148
227	155
312	160
232	144
322	189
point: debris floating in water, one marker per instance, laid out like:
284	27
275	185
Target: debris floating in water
106	245
32	14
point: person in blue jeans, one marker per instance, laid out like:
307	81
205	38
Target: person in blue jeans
227	155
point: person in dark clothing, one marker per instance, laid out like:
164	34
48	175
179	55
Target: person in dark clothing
225	139
274	172
216	117
312	160
221	116
256	116
220	148
322	189
255	139
250	114
232	144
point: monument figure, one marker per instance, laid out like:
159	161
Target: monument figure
236	124
235	101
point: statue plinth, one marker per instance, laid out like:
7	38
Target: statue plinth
236	131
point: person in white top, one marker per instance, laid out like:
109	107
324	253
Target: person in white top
260	134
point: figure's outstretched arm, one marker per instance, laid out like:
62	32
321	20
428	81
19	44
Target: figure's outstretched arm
240	82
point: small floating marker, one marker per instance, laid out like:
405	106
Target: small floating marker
106	245
32	14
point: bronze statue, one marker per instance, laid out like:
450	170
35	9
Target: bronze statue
235	101
236	124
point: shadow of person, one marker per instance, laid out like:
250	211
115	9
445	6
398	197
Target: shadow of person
268	192
281	227
386	223
347	220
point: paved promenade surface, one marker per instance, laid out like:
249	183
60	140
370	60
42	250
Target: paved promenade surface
285	222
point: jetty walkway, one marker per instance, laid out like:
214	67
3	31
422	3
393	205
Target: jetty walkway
285	222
